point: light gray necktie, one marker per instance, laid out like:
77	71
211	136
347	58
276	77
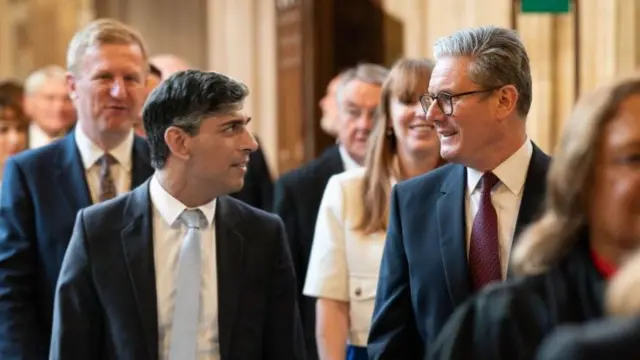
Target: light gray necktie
186	314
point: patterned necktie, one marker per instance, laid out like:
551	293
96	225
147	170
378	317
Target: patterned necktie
186	313
484	250
107	187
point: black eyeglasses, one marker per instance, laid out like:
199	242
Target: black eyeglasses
445	101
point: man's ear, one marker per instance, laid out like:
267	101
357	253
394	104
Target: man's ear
72	85
178	142
507	100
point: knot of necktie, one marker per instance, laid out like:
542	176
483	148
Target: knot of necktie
193	218
489	180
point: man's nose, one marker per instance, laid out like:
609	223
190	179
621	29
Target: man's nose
118	90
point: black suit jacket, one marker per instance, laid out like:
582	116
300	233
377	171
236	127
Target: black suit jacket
106	304
297	200
424	274
42	191
508	320
258	186
611	338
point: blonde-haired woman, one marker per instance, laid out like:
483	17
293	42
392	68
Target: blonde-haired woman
350	230
591	223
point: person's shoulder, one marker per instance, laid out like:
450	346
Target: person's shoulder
313	169
247	216
349	179
40	157
112	209
434	179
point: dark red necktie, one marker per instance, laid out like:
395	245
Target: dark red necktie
484	250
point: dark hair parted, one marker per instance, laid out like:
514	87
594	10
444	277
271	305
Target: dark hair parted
183	101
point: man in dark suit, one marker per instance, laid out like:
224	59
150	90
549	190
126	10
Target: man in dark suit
299	192
176	269
450	231
43	189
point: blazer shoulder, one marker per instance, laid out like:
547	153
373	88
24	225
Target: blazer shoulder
39	157
326	165
107	214
249	215
431	182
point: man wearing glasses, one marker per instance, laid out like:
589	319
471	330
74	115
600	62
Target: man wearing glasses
450	231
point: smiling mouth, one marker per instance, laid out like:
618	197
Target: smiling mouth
422	126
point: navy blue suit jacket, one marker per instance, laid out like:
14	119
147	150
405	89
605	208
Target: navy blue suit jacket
106	302
42	191
424	274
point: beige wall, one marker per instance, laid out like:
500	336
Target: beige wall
239	39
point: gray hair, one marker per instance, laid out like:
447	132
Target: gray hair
368	73
498	58
38	78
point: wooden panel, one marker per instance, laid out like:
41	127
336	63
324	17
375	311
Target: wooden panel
289	55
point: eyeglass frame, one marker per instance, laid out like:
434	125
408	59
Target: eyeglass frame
433	98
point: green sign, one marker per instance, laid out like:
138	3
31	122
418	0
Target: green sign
545	6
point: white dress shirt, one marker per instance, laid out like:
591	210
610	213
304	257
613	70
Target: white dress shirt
344	264
120	170
505	196
168	234
347	160
38	138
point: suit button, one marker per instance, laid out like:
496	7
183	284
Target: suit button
358	291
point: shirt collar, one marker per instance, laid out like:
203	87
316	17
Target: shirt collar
511	172
37	136
347	160
171	208
90	152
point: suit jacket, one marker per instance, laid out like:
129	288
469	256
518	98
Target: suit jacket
612	338
258	186
42	191
297	200
509	320
106	301
424	273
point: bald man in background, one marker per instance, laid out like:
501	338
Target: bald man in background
169	64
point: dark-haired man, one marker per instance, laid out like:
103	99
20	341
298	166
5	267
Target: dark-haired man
176	269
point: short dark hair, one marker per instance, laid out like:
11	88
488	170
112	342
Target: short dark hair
183	100
12	90
154	70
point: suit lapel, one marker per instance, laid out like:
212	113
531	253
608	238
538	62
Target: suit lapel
70	175
452	234
533	194
137	244
229	257
141	169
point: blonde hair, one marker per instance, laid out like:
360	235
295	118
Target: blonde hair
101	32
569	179
623	292
408	80
36	79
